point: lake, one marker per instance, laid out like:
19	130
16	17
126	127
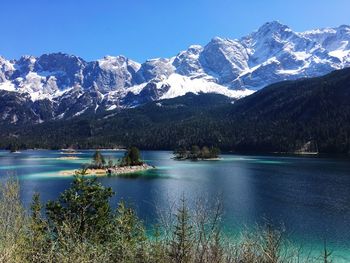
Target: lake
310	196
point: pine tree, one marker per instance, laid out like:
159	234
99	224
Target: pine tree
205	152
85	205
38	238
132	157
181	246
98	160
195	152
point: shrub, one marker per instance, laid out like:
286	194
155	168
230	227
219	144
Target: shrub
80	226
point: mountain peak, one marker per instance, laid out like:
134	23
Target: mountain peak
345	26
216	39
273	26
271	54
195	47
27	58
344	29
62	55
114	58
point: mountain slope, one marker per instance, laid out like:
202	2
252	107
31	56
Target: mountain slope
312	114
69	86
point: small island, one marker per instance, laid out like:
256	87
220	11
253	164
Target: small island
130	163
70	151
67	158
197	153
14	148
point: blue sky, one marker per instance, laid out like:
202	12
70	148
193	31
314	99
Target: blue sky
142	29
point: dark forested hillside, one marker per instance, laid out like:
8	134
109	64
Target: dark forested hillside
308	114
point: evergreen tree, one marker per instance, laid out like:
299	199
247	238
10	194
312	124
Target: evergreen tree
98	160
205	152
180	153
214	152
181	246
85	205
132	157
37	238
13	147
195	152
110	163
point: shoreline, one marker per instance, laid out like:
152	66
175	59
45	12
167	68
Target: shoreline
311	154
109	171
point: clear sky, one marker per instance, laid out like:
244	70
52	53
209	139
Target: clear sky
142	29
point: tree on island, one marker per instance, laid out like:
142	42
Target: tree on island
214	152
132	157
98	160
110	163
196	153
13	147
205	152
180	153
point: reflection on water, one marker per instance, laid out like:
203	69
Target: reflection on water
309	195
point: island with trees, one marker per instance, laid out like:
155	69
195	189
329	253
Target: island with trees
130	163
197	153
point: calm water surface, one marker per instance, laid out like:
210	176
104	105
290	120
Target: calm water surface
309	195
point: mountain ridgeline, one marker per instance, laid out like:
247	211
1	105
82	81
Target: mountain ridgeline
60	86
302	115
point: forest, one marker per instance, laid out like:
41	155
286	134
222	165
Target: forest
283	117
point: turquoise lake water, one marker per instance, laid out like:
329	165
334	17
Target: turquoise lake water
310	196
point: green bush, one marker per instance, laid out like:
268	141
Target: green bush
81	226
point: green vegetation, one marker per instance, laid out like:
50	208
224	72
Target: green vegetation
98	160
284	117
196	153
82	227
85	206
13	148
132	157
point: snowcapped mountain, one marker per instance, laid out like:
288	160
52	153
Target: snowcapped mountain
56	86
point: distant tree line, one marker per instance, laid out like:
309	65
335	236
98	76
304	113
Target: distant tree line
284	117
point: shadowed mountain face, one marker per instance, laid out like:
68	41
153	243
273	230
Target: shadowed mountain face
60	86
301	115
